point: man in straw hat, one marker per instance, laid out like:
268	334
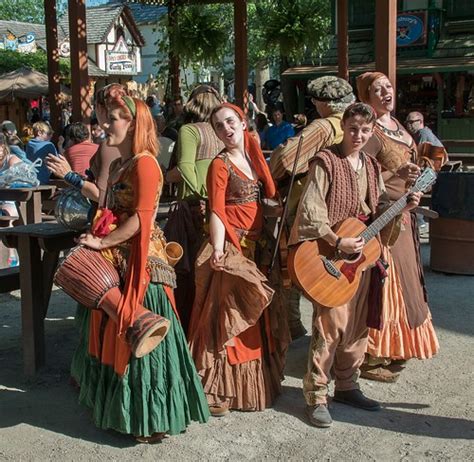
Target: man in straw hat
330	95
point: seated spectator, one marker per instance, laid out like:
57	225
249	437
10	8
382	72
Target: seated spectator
416	126
79	149
39	147
9	130
154	105
26	133
279	132
97	132
16	147
8	208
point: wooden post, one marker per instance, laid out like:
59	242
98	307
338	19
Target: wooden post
51	26
386	39
343	39
173	58
241	64
81	108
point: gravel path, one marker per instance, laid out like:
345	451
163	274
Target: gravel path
428	415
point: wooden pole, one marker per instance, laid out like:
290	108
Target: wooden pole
173	58
342	39
54	85
81	108
241	64
386	39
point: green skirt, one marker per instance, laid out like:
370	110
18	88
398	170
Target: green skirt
160	392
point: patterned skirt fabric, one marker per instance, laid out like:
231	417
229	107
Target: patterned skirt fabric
396	339
160	392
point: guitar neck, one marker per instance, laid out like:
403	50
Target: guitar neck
374	228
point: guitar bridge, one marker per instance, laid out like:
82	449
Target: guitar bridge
330	268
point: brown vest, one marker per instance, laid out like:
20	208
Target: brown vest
342	199
209	144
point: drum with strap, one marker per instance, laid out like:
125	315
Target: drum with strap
90	279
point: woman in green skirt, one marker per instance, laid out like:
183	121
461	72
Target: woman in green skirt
158	393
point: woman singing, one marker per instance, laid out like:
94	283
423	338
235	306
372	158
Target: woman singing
238	334
407	331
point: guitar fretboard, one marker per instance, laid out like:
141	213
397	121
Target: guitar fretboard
374	228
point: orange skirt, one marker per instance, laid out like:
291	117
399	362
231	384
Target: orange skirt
396	339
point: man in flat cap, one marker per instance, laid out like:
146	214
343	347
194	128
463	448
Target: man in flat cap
330	95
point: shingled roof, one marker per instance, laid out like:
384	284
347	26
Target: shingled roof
22	28
147	14
99	21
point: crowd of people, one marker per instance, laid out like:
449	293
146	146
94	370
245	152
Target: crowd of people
225	318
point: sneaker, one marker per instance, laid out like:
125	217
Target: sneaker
12	261
357	399
319	415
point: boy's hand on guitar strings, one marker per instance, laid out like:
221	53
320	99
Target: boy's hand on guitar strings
350	245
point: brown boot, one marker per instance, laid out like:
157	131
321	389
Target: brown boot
148	330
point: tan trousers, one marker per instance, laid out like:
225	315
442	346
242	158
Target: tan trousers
338	345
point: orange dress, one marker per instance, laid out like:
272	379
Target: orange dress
238	331
407	330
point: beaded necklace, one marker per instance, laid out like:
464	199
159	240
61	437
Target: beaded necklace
398	132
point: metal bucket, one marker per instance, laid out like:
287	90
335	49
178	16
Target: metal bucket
452	234
452	246
73	210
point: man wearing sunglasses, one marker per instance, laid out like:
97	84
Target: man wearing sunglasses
416	126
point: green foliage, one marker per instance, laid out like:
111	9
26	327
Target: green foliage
27	10
294	28
12	60
201	34
22	10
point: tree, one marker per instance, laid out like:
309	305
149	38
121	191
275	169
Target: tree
12	60
22	10
26	10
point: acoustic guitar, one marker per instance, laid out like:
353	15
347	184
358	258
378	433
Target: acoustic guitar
331	277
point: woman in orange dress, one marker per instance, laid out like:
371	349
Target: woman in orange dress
238	332
406	329
158	393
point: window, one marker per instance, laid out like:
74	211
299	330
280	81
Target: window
459	9
361	14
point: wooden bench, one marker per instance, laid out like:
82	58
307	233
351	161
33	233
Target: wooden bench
38	248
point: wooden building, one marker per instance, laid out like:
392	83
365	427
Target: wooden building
435	60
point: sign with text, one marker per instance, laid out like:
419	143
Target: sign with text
411	28
121	60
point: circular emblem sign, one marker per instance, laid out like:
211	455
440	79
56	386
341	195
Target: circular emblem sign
410	30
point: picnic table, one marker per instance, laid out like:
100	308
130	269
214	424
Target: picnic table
38	246
30	201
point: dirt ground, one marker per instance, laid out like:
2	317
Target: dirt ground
427	415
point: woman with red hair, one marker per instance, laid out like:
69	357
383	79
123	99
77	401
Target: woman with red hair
158	393
404	329
238	332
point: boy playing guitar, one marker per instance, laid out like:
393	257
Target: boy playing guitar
343	182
